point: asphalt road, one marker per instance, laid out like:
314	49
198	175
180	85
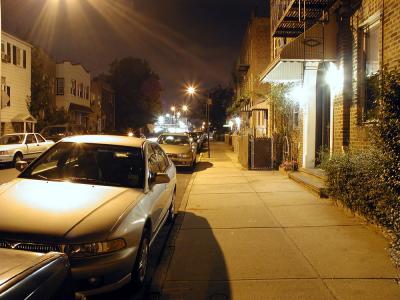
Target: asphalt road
8	173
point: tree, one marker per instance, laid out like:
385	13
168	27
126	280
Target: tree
222	98
137	92
40	102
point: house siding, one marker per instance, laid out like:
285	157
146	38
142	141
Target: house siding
18	79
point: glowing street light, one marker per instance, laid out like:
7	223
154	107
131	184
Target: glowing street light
185	108
173	108
191	90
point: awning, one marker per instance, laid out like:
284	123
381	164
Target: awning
260	106
80	108
24	118
318	44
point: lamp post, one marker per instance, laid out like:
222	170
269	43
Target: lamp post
173	109
185	110
191	91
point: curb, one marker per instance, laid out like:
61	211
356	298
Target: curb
160	273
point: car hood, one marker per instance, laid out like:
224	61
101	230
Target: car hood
175	149
45	210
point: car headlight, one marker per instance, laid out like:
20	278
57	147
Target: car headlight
185	155
97	248
5	152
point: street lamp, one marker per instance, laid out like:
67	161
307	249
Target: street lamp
173	109
191	91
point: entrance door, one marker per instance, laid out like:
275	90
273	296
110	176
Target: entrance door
323	102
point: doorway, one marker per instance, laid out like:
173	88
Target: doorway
322	124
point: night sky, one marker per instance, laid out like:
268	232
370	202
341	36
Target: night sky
192	41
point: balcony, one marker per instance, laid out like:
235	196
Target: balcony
289	17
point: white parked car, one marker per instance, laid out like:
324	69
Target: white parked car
22	146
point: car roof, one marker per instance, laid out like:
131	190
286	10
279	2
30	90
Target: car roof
117	140
175	133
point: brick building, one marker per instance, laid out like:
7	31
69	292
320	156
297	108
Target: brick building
103	106
331	52
255	54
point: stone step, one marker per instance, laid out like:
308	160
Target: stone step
314	172
314	183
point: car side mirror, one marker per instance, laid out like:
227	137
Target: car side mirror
162	178
21	165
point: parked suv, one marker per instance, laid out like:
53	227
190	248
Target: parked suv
57	132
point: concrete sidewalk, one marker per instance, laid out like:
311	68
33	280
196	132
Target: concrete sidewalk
258	235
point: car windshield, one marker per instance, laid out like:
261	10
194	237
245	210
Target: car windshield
173	140
91	164
12	139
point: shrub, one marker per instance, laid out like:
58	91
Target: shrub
368	182
356	179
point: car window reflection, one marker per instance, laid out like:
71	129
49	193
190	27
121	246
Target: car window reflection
91	164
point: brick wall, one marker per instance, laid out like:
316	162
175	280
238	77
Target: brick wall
350	130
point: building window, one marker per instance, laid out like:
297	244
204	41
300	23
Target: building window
370	60
19	57
5	93
73	87
60	86
87	93
80	90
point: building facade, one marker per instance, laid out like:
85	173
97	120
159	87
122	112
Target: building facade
249	90
103	106
331	53
73	92
15	85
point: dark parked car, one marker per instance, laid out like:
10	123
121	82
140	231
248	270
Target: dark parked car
29	275
58	132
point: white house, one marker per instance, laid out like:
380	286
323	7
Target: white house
73	91
15	85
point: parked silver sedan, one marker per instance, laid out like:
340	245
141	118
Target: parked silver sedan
99	199
180	148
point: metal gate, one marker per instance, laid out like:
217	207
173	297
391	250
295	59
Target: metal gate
261	153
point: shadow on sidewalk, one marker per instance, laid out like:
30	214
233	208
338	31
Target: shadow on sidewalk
197	269
203	165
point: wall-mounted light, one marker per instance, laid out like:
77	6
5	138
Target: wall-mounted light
335	78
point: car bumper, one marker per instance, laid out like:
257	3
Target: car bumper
104	273
182	162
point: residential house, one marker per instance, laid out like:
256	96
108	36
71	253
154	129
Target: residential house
73	92
254	56
15	85
103	105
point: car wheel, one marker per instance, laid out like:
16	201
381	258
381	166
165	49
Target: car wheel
171	210
139	274
17	157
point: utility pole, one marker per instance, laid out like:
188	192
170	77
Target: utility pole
208	106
